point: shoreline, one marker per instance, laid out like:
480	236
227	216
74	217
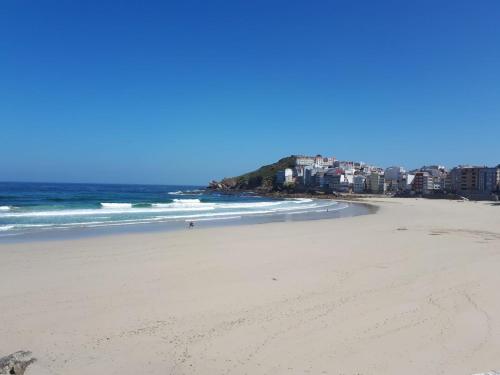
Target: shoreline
411	289
344	196
61	233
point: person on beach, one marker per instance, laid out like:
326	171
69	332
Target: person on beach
191	224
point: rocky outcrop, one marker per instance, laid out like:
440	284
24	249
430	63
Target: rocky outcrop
225	184
16	363
261	179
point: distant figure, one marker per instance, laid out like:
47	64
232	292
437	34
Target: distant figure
191	224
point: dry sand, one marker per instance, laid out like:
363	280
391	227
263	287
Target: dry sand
412	289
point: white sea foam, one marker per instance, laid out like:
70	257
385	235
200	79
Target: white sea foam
187	201
189	206
187	192
175	192
196	203
244	213
191	203
183	203
116	205
20	226
161	205
215	214
169	207
180	209
5	208
32	225
302	200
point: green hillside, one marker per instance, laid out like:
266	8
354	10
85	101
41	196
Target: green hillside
262	178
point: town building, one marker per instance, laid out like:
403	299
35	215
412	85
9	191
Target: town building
319	179
394	173
298	174
309	173
284	177
321	162
438	174
406	182
304	161
336	181
359	184
465	179
377	183
329	174
423	183
475	181
317	161
393	177
489	179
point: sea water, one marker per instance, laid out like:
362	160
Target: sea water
39	207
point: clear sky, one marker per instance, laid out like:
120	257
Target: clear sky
185	91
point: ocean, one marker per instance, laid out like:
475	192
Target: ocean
41	207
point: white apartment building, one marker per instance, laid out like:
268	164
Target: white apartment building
285	176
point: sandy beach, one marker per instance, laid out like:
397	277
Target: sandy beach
412	289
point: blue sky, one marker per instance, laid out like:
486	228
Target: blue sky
185	91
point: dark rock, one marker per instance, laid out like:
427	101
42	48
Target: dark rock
16	363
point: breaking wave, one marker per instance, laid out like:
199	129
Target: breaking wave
116	205
187	201
174	210
175	192
186	192
303	200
